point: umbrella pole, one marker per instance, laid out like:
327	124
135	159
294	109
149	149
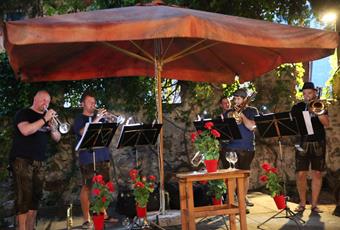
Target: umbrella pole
158	71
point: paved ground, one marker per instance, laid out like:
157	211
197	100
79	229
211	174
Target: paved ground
263	209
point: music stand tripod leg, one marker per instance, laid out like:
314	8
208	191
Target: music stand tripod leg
272	217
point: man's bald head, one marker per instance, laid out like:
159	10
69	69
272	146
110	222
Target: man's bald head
41	101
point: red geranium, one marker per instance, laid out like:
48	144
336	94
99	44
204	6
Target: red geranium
215	133
101	194
263	178
133	174
206	141
110	186
266	167
208	125
152	178
97	179
272	180
142	187
96	192
193	137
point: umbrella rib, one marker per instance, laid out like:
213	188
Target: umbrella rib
129	53
173	57
188	52
141	49
167	48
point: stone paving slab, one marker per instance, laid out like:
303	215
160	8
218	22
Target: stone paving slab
263	209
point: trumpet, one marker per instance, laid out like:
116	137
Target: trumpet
197	159
111	117
63	127
318	107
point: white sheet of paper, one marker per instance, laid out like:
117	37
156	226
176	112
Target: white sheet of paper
82	137
308	122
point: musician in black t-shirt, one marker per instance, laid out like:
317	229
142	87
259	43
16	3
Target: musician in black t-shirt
32	128
313	150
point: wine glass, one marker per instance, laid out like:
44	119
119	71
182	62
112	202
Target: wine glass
227	157
126	222
233	158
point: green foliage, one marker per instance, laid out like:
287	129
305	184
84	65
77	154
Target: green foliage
332	84
294	12
216	188
14	94
6	143
293	71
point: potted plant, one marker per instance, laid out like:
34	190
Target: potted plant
207	144
216	189
101	197
142	187
273	184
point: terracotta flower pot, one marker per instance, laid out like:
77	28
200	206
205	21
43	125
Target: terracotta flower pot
216	201
211	165
141	211
98	221
280	201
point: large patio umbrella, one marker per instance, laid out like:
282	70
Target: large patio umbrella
160	41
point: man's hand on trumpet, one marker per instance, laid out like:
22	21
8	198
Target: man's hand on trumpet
53	125
100	114
50	113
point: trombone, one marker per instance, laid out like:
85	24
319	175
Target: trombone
63	127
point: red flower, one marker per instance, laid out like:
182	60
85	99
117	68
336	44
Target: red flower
263	178
133	174
98	179
208	125
215	133
203	182
193	137
110	186
96	192
103	199
273	170
152	178
266	167
199	132
139	185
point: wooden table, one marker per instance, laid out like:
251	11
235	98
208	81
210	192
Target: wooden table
189	212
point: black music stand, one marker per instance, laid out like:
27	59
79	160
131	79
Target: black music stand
139	134
96	135
279	125
227	127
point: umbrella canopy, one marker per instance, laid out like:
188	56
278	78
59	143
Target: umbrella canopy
194	45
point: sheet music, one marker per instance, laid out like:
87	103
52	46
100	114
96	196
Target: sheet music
308	122
82	137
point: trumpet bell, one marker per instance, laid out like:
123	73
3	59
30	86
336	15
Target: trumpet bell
64	128
318	107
